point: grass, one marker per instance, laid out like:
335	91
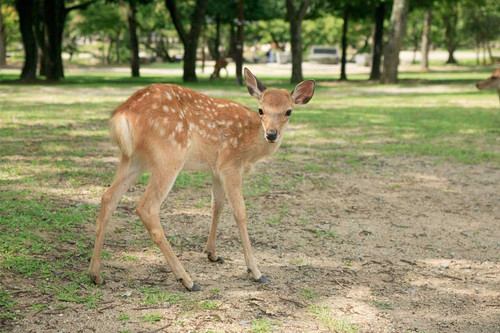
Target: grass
156	296
152	318
324	315
56	160
383	305
262	325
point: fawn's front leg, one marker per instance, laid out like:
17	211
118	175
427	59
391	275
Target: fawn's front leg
218	200
233	186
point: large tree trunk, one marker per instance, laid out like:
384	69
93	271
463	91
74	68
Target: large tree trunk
54	18
296	41
296	17
189	65
39	28
134	43
426	37
3	46
239	46
216	52
450	19
343	76
378	41
190	40
117	46
394	41
25	23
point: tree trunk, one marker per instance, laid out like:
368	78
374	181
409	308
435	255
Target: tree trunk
426	38
54	18
190	40
450	22
296	41
296	17
217	38
232	41
110	49
343	76
134	43
3	46
378	41
29	43
394	41
490	54
189	65
239	45
117	46
39	29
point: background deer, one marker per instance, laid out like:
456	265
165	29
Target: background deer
220	64
167	128
491	83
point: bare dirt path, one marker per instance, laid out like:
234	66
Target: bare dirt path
404	245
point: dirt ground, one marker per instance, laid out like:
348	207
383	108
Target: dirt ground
403	245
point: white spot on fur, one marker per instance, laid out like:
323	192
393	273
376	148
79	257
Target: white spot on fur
233	142
221	105
162	132
179	127
168	95
165	108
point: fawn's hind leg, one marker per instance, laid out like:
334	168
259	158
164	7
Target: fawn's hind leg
128	171
218	200
163	174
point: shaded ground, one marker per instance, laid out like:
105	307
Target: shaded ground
354	234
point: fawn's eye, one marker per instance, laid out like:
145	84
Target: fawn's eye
261	112
288	113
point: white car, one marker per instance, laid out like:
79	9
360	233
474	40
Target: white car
324	54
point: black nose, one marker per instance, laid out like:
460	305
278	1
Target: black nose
271	134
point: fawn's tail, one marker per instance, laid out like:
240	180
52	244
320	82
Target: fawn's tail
121	133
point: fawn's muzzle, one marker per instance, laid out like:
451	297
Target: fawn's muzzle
271	135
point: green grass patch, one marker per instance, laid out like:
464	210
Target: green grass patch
324	315
152	318
262	325
156	296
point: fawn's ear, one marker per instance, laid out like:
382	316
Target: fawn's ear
303	92
254	86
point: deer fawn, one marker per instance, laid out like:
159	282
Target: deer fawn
220	64
168	128
491	83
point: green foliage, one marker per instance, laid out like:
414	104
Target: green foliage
324	315
152	318
383	305
124	317
156	296
209	305
262	325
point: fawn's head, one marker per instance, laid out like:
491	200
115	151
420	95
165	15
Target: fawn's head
491	83
276	105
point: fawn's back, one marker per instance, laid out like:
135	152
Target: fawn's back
212	131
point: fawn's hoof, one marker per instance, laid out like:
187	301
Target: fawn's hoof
96	279
194	287
219	260
263	279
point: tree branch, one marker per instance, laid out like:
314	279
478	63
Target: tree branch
303	9
197	18
79	6
176	20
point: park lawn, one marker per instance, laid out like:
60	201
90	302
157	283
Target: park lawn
56	160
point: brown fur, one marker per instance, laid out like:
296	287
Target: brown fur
168	128
491	83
